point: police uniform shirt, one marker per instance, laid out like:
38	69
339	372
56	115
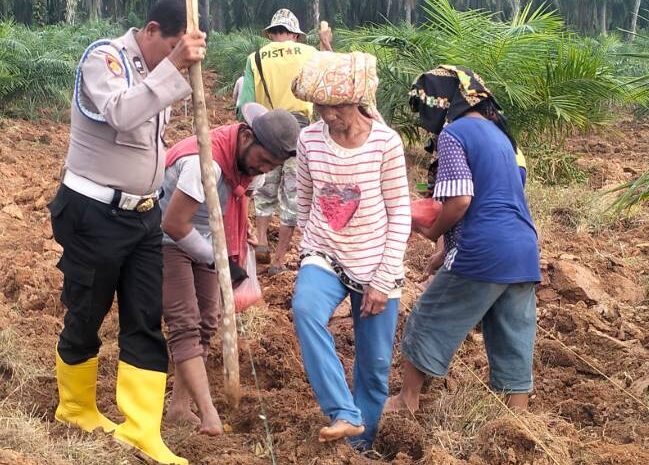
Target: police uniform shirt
127	151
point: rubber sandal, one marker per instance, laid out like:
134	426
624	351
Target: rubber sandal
277	269
262	252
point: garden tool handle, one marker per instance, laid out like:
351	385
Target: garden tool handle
208	178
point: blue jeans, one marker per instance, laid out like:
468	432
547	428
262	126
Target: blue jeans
317	294
452	306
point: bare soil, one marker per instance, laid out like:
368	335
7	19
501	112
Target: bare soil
593	323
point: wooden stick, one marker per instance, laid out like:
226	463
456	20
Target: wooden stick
230	346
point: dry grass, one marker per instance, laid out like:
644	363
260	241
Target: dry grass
468	423
33	437
545	440
553	167
18	366
252	322
576	207
456	417
22	430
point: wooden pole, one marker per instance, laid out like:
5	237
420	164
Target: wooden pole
230	346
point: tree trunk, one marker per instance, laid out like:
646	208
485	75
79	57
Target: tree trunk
315	14
557	5
204	16
70	11
516	7
39	12
388	8
634	20
94	9
499	10
603	26
218	21
409	4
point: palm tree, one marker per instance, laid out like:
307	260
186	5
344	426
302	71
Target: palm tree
634	20
410	8
549	81
632	193
94	9
70	11
315	13
37	66
227	54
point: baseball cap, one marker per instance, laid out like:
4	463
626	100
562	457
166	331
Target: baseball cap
277	130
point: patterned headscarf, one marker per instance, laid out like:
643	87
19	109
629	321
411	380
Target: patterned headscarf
329	78
446	93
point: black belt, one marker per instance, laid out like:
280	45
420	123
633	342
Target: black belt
340	271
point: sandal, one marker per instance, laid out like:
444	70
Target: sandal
262	252
277	269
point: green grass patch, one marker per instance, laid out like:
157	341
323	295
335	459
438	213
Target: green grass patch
554	167
575	207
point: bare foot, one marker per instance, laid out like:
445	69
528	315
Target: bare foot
211	424
182	416
398	403
340	429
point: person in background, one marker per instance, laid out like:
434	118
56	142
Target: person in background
354	213
191	297
236	91
106	216
491	264
267	81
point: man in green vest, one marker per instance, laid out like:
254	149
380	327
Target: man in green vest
269	74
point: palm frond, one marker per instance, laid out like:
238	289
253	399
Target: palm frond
37	65
549	81
632	193
227	55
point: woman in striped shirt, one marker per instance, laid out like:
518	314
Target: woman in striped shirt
354	212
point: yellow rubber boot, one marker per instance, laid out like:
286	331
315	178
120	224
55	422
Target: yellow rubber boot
78	396
140	397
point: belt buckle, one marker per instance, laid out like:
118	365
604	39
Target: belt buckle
145	205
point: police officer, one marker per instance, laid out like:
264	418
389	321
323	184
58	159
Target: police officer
106	217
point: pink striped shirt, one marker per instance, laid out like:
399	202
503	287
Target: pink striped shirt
354	204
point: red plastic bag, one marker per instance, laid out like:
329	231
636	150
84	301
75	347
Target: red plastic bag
248	292
425	212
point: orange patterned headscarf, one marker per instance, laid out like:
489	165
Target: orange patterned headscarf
329	78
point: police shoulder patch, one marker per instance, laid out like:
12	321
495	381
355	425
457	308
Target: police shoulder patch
114	65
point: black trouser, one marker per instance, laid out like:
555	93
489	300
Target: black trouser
108	250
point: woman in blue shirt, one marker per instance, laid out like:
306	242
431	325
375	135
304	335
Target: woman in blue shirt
491	263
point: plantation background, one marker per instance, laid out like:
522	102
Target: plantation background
578	101
551	80
585	16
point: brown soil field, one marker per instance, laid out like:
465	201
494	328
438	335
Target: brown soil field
591	400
